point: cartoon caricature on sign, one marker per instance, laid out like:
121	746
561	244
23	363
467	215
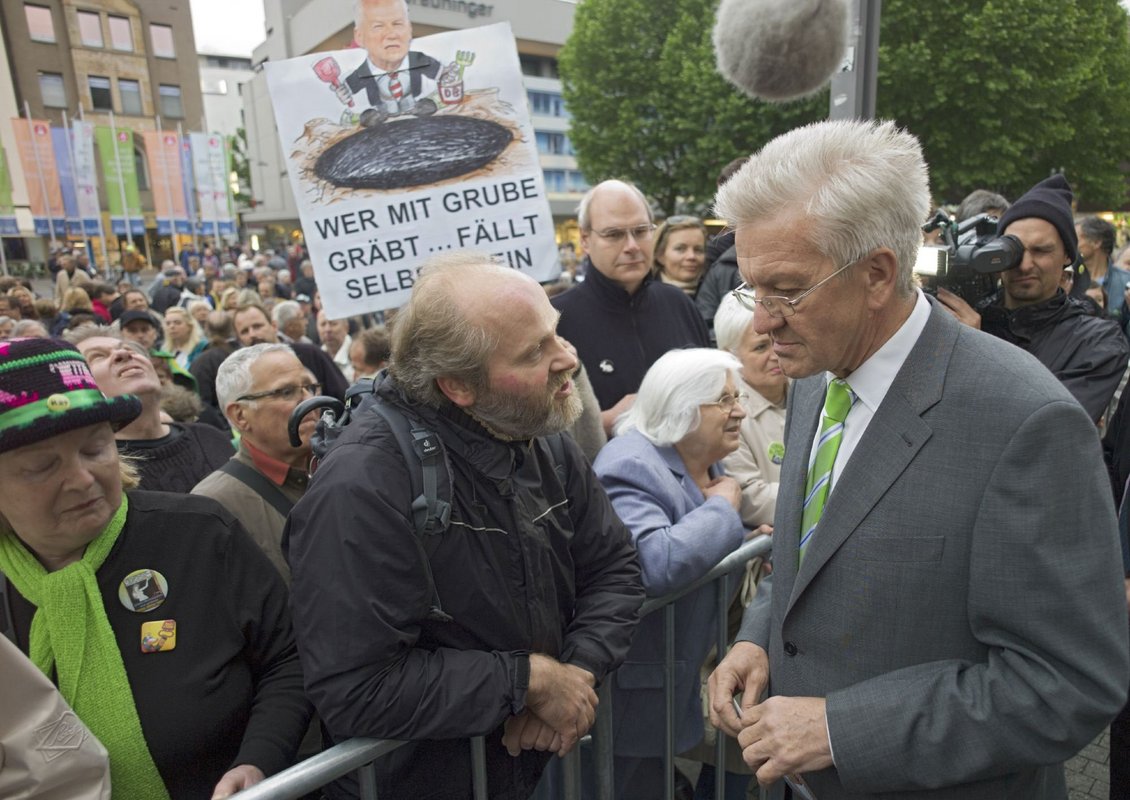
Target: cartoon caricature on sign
401	149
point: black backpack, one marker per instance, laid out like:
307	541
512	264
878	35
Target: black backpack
423	451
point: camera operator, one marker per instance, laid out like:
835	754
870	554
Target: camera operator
1086	353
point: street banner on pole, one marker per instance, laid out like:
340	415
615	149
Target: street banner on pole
60	139
86	177
162	150
8	224
211	182
37	155
115	147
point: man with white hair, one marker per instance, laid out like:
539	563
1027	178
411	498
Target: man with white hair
933	633
258	387
289	317
502	622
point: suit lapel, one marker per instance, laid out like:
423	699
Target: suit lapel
893	438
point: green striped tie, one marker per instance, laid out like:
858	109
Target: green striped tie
837	403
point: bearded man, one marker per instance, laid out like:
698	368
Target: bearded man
536	576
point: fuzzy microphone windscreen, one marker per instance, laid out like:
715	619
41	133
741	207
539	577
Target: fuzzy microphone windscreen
780	49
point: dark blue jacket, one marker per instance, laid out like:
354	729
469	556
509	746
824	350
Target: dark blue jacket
619	336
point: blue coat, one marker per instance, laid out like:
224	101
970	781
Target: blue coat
679	536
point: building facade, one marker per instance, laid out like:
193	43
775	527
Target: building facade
299	27
135	59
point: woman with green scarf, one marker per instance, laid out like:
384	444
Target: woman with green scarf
160	621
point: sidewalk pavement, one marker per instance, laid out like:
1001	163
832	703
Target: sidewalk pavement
1088	774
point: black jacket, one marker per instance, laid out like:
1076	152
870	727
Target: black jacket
231	690
531	563
721	278
1087	353
619	336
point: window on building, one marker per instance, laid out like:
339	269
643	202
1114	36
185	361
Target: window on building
171	106
554	180
39	23
162	39
121	34
549	143
100	98
90	28
130	92
548	104
553	144
577	182
52	90
538	66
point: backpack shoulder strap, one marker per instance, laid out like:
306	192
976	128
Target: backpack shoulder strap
423	452
424	456
557	450
262	487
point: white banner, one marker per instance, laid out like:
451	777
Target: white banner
210	173
86	174
392	167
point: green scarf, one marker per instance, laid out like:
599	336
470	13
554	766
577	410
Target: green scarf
71	635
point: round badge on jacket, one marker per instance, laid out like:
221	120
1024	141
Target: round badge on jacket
143	590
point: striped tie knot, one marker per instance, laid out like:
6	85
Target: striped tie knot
838	401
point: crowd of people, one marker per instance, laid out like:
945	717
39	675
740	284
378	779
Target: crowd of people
212	591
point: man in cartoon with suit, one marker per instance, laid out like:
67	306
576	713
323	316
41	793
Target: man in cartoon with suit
947	612
392	77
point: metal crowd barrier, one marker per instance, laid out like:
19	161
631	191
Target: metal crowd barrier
359	754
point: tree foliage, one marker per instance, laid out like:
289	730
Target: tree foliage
648	105
1001	93
241	166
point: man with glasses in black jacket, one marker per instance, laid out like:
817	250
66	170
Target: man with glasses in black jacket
621	318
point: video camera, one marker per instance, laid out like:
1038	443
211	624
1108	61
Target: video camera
970	256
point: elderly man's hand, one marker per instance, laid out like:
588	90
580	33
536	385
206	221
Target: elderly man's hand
745	669
562	696
237	779
961	310
526	732
785	735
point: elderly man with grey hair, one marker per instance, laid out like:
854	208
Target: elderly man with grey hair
500	624
948	617
621	318
664	476
290	318
258	387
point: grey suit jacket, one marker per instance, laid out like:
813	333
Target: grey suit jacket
960	604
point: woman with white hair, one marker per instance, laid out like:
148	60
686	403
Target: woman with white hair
663	474
756	464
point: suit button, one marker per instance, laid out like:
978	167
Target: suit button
790	649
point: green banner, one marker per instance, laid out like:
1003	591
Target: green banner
7	206
115	149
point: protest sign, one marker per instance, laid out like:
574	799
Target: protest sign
391	165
